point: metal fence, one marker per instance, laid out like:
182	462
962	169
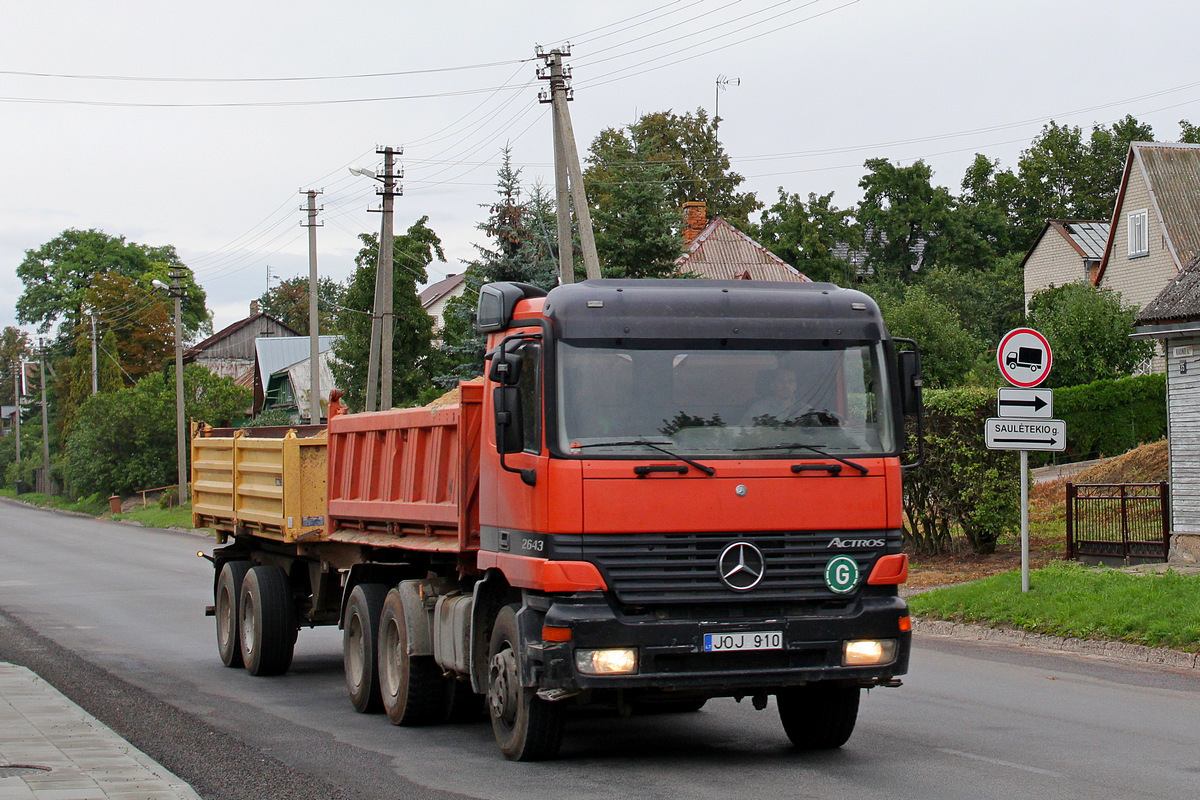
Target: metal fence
1118	523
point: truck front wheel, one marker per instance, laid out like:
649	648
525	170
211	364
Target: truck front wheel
817	716
360	641
526	727
412	687
229	586
267	621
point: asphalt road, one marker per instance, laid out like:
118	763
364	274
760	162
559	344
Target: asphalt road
112	615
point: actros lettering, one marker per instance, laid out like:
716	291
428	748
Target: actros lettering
843	543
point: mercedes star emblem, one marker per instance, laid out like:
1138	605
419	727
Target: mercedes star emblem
741	566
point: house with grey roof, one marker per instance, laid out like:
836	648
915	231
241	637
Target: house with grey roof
1173	318
435	296
1155	229
276	354
1066	251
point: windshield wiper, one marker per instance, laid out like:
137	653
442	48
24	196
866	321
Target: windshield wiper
707	470
812	448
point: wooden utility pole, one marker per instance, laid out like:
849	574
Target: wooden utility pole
379	361
567	170
314	348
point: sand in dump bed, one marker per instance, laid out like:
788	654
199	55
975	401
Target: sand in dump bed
451	397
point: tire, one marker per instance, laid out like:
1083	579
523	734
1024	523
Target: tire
526	727
360	640
267	621
817	716
229	586
412	688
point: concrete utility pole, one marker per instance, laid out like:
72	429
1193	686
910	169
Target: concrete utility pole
566	166
18	386
95	365
314	348
382	323
45	420
180	422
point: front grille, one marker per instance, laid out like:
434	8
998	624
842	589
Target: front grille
656	568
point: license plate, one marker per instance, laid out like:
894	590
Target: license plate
750	640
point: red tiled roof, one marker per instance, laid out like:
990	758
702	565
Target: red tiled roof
722	252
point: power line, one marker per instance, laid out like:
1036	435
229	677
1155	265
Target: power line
281	79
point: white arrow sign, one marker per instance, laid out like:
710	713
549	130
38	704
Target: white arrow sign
1025	434
1028	403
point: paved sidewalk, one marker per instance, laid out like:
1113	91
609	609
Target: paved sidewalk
51	749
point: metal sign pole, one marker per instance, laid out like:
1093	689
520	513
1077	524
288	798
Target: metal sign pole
1024	520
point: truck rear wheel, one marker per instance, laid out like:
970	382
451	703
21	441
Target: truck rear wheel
360	641
526	727
817	716
267	620
413	688
229	586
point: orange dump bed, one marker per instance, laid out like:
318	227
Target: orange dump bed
407	478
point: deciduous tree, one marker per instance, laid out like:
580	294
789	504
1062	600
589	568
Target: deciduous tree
58	275
1088	329
687	146
412	329
807	234
287	302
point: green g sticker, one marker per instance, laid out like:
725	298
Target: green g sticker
841	574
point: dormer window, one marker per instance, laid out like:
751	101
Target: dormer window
1139	234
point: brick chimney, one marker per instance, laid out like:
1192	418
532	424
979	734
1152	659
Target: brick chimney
695	218
253	307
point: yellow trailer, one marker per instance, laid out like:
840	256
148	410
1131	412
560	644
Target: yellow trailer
267	481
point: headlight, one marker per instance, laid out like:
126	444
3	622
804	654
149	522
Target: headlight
618	661
866	652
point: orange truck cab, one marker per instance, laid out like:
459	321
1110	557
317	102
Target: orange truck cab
696	486
659	493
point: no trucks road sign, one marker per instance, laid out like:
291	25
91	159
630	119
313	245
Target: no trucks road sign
1024	358
1006	433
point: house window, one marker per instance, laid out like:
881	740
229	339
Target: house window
1139	235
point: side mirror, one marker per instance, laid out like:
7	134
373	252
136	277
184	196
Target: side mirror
510	428
506	368
909	367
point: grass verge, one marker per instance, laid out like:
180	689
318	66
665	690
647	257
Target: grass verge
1070	599
92	506
155	517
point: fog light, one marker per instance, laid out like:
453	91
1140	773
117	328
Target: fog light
618	661
865	652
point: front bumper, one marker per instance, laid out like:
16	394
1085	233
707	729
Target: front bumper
671	655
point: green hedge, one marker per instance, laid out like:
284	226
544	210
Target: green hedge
964	487
961	485
1110	417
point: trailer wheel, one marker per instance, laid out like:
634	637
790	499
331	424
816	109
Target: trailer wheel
267	619
413	688
360	640
818	717
229	586
526	727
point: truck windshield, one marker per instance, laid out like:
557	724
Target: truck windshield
713	400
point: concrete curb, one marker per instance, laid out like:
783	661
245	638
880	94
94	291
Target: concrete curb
1120	651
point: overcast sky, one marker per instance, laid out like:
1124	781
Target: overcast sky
170	123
